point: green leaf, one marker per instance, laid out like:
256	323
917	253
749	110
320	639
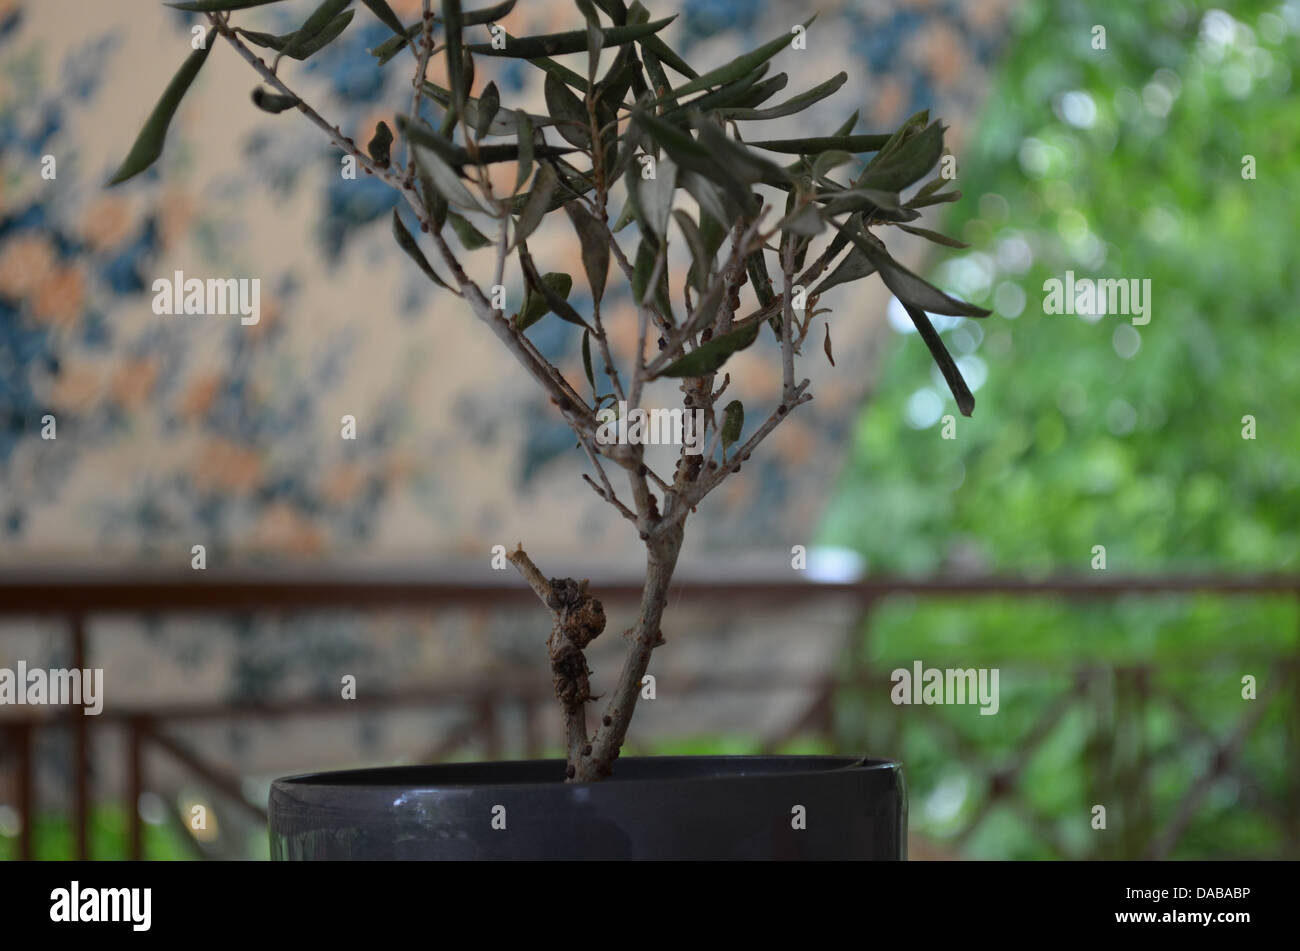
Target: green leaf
934	236
791	106
387	17
655	196
829	159
380	145
812	146
808	222
452	29
538	204
470	237
300	49
873	201
525	133
905	163
320	18
149	143
586	359
960	391
444	178
214	6
406	241
595	40
934	199
565	106
642	270
701	259
733	421
575	41
693	155
733	156
595	247
709	357
536	306
854	267
488	14
503	123
908	287
272	102
741	66
486	110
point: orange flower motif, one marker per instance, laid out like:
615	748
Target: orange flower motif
200	396
283	529
60	298
227	466
106	224
132	384
25	262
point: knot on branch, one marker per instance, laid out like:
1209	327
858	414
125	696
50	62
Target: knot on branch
580	616
569	674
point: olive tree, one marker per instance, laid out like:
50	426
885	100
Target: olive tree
638	155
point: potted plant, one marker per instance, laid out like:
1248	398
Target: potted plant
640	151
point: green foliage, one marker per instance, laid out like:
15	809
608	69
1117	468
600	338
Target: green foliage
1106	433
631	131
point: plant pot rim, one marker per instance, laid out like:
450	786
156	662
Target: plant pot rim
514	774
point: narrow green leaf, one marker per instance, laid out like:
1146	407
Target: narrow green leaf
470	237
748	166
215	6
586	359
905	164
733	421
595	247
452	31
380	145
701	259
272	102
934	199
709	357
563	105
854	267
575	41
909	288
934	236
740	66
149	143
642	270
960	391
693	155
655	196
314	24
406	241
525	133
384	12
791	106
538	204
486	109
535	304
812	146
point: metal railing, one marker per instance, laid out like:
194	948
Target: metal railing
78	599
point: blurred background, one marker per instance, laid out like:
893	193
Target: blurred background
326	558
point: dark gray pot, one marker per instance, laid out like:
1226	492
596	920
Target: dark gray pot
674	807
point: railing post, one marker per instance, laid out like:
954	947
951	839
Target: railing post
80	748
22	736
135	786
